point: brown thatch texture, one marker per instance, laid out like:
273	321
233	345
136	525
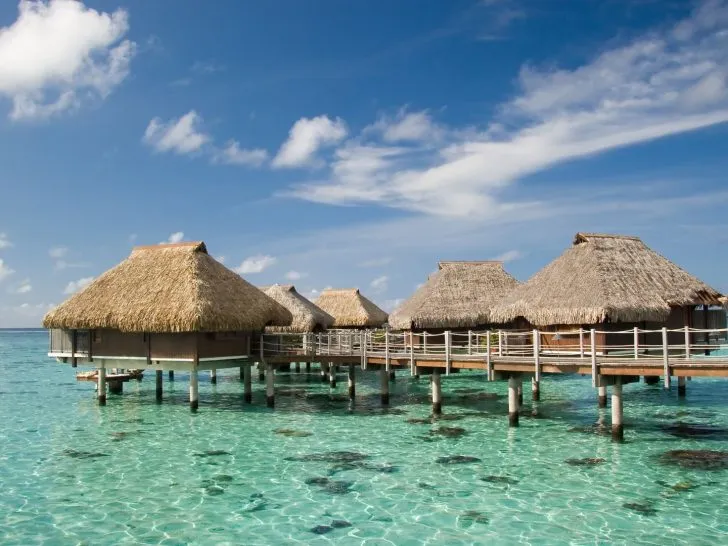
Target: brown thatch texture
350	309
458	295
307	317
604	278
169	288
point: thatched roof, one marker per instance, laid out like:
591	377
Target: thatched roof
604	278
458	295
169	288
350	309
306	315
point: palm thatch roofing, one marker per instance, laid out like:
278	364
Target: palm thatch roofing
458	295
350	309
604	278
169	288
307	317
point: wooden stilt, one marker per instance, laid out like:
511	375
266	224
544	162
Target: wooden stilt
194	392
602	401
384	382
298	367
520	393
160	376
681	386
101	386
392	375
270	399
436	393
171	375
536	388
324	372
308	366
261	372
617	427
247	385
513	401
352	382
213	376
242	373
332	375
116	387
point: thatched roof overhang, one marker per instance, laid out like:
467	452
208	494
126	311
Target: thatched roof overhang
602	278
350	309
169	288
307	317
458	295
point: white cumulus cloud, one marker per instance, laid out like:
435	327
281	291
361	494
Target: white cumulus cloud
175	237
233	154
306	137
255	264
181	136
295	275
58	53
74	286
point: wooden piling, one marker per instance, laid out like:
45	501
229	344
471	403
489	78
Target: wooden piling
332	375
270	399
324	372
247	385
213	376
384	383
617	414
436	393
261	372
242	373
602	403
159	388
681	386
298	367
194	390
116	386
308	366
536	389
513	401
101	386
520	393
352	382
392	375
171	375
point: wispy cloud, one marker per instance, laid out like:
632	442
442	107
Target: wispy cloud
57	54
233	154
375	262
294	275
58	252
207	67
175	237
308	136
380	284
509	256
5	270
4	241
74	286
23	287
181	136
255	264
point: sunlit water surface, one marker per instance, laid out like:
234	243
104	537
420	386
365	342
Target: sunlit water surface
316	470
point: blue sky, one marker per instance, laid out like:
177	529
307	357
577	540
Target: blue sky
330	143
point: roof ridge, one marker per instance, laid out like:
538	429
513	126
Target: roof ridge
195	246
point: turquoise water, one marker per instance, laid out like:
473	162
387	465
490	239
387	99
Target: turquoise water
135	472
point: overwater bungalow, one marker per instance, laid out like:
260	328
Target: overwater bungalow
307	316
165	307
350	309
610	283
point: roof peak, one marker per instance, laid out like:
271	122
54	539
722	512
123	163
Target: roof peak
191	246
583	237
448	263
341	290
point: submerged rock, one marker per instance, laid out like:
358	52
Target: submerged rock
457	459
213	453
76	454
419	421
335	487
689	430
473	516
696	459
449	432
641	508
596	428
499	480
321	529
291	433
222	478
118	436
214	490
340	524
586	461
330	457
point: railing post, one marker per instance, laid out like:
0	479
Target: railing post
500	342
488	362
386	349
262	349
581	342
413	370
593	347
328	343
665	358
536	354
470	342
687	343
448	341
636	342
364	350
424	343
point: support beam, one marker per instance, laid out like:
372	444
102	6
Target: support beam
681	386
384	385
536	389
332	375
159	389
513	401
352	382
270	395
194	390
436	393
247	384
617	426
602	403
171	375
101	386
213	376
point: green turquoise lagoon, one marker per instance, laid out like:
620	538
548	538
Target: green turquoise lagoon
318	470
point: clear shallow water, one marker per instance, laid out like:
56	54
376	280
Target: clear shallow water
135	472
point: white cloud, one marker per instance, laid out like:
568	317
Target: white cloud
220	259
181	136
306	137
509	256
665	83
375	262
24	287
175	237
233	154
391	305
74	286
58	52
25	314
295	275
4	241
58	252
5	271
408	126
379	284
255	264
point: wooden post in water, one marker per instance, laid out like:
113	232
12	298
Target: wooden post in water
101	386
261	372
324	372
270	395
247	385
392	375
159	389
536	380
513	401
171	375
602	396
520	393
242	373
384	385
213	376
617	427
352	382
308	367
681	386
298	367
536	388
332	375
665	358
436	392
194	392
